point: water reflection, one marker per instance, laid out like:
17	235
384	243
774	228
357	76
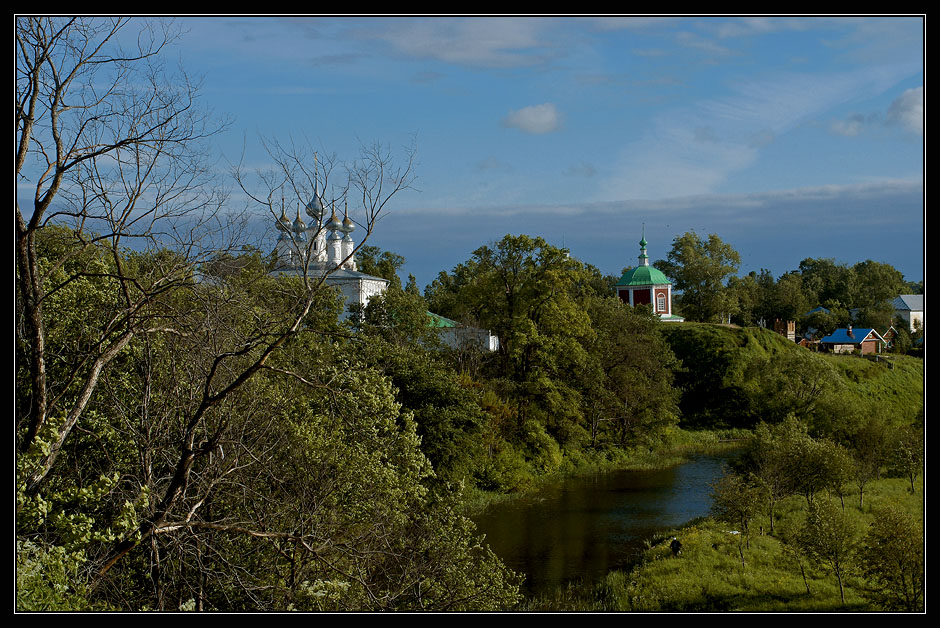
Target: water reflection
581	528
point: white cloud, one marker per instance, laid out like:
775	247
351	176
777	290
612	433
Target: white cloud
702	44
908	110
535	119
482	42
749	26
693	149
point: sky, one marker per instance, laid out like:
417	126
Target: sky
788	137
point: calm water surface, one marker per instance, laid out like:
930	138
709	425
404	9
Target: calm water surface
581	528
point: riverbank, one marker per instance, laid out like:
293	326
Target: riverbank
674	448
708	574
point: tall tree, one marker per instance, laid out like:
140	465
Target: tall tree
627	380
767	462
735	501
111	144
906	453
113	147
372	260
700	269
828	537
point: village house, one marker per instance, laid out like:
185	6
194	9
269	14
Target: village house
866	341
910	308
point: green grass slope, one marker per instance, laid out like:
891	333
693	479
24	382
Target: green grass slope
708	575
737	377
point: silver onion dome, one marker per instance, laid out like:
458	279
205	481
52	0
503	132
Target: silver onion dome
299	227
335	224
315	208
348	225
283	223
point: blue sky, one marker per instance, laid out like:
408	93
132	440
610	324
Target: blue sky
789	137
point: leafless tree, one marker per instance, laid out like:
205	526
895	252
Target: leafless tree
112	145
368	183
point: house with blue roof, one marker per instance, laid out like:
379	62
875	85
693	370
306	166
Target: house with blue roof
865	340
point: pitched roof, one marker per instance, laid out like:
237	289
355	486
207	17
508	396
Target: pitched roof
909	302
843	336
436	320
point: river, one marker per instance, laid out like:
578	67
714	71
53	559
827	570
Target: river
578	529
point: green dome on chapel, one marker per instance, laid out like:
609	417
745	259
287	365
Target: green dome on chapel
644	276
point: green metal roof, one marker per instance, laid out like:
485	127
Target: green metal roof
436	320
644	276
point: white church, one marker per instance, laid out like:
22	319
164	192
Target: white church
325	248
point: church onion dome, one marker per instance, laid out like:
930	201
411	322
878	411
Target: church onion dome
300	227
283	223
644	276
643	242
315	208
348	225
335	224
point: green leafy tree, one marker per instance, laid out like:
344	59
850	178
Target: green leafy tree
525	291
826	321
824	280
794	383
400	317
736	501
748	294
839	469
828	537
372	260
878	283
789	299
903	341
892	559
699	269
906	455
868	446
627	380
807	460
767	462
447	411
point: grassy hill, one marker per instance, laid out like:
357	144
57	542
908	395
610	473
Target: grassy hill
736	377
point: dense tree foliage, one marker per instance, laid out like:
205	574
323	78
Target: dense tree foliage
820	295
193	432
576	370
307	486
892	559
372	260
906	452
700	270
828	537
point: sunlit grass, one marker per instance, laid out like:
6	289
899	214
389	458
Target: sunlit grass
708	575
